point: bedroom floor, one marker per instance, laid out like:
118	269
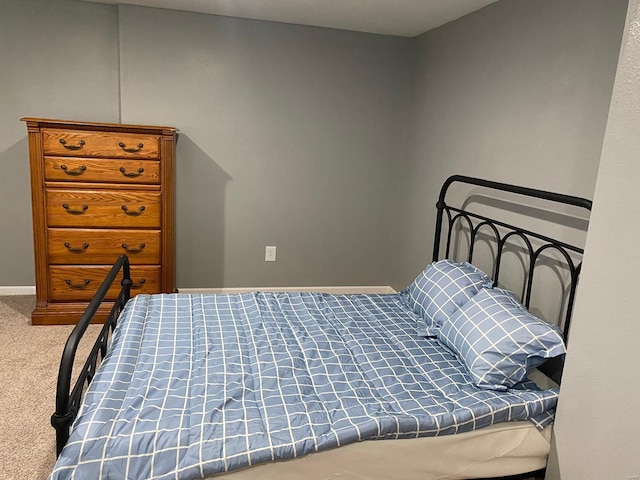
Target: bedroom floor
29	358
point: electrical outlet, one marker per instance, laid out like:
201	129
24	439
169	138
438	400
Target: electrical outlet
270	254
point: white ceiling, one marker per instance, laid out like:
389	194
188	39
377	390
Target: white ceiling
406	18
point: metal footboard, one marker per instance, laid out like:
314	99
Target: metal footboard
68	399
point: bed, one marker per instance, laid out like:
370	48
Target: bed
452	377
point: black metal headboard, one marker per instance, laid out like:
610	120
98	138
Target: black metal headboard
535	244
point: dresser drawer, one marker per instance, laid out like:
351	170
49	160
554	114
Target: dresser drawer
75	246
102	208
112	170
79	143
71	284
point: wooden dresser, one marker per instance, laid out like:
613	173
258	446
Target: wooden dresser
99	190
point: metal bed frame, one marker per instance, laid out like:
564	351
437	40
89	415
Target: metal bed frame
68	399
503	232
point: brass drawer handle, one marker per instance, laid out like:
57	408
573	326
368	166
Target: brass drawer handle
76	249
139	284
72	147
132	174
78	171
133	213
78	286
131	150
133	250
74	212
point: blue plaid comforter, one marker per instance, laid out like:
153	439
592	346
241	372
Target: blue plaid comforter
199	384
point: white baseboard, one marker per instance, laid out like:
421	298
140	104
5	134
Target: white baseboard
18	290
338	290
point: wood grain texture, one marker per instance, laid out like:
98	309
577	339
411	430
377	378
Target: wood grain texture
80	283
99	144
78	246
93	208
78	169
104	190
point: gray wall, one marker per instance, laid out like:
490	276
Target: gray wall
516	92
291	136
597	422
329	144
60	59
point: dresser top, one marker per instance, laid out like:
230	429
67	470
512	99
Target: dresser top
74	124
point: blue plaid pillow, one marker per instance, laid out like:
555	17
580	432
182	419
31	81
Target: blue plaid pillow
441	289
498	340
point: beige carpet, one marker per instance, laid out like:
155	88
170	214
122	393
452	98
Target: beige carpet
29	360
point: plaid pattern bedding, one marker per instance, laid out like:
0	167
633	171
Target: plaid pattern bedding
200	384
